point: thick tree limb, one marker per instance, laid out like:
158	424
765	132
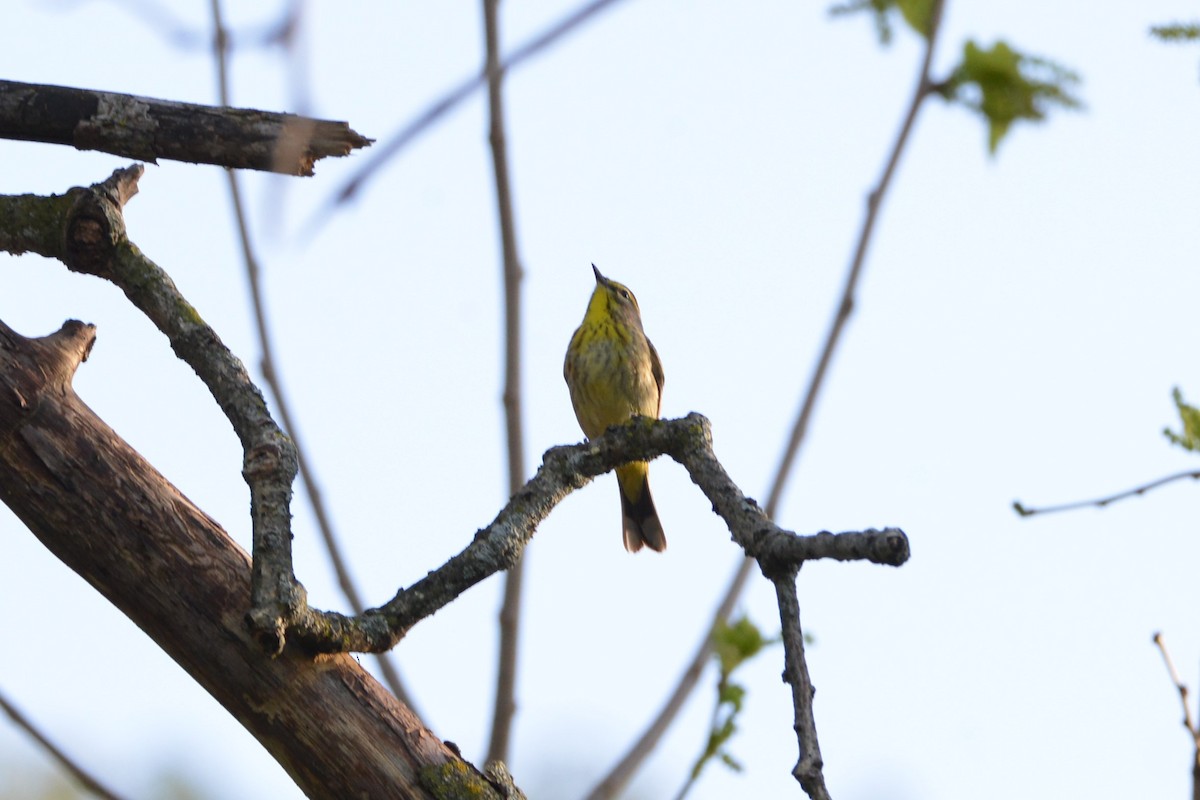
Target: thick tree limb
85	229
147	129
108	515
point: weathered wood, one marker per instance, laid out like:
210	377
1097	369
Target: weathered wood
148	129
111	517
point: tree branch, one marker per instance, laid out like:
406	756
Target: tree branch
1193	731
1179	686
85	229
82	776
565	469
505	706
95	243
274	383
411	130
148	129
1101	502
180	578
795	673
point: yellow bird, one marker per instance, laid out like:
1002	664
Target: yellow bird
614	374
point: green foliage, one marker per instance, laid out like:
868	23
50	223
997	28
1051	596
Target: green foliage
915	12
1176	32
733	645
1189	417
1001	84
1005	85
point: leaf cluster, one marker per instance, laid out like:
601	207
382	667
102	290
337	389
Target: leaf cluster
1176	32
1000	83
733	645
1004	85
1189	417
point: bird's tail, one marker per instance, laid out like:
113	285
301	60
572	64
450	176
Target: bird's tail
639	519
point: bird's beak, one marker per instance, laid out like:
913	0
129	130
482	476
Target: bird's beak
600	279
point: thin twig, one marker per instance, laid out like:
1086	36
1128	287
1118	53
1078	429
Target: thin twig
77	772
1193	732
409	132
1179	685
620	774
271	376
1027	511
510	612
696	771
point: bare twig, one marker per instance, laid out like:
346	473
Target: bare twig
1179	684
1101	502
148	129
271	375
505	704
846	304
81	775
795	672
623	771
409	132
1192	730
619	775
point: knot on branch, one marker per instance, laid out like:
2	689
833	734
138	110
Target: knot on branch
272	457
278	602
59	355
95	224
268	628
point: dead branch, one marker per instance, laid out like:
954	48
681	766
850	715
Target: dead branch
147	129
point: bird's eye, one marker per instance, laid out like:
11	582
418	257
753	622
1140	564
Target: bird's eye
624	293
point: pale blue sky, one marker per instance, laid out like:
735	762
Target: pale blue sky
1021	323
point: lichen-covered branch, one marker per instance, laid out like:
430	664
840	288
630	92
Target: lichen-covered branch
93	241
90	238
795	673
108	515
148	129
565	469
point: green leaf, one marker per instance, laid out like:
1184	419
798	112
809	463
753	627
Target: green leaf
734	644
1005	86
1189	417
916	13
1176	32
731	694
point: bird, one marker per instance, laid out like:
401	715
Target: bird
614	374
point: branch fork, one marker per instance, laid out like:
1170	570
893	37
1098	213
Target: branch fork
94	242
